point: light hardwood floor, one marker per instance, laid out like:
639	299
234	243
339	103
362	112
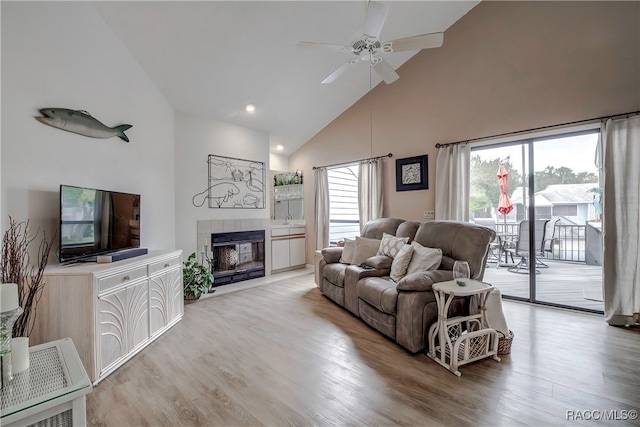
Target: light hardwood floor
283	354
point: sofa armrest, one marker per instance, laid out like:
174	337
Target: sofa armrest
422	280
379	262
353	273
332	255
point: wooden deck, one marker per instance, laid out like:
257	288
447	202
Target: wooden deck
566	283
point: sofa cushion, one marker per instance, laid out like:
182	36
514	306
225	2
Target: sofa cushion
391	245
365	248
375	228
332	254
408	229
379	292
459	241
334	273
424	258
348	251
401	262
382	322
421	281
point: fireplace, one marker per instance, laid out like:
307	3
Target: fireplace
237	256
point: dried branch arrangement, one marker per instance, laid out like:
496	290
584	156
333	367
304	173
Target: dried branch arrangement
16	267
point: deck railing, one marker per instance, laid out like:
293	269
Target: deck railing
568	244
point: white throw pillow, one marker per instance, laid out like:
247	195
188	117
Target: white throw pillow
348	250
424	258
401	262
365	248
390	245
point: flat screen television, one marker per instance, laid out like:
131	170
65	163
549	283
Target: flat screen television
96	222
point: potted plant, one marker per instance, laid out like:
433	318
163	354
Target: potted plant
196	278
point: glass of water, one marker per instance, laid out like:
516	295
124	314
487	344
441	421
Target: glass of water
461	272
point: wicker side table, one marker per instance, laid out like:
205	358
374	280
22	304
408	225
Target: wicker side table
457	347
51	392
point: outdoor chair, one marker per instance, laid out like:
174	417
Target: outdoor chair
521	248
495	247
550	236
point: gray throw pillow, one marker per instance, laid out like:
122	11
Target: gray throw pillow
424	258
401	262
365	248
348	250
390	245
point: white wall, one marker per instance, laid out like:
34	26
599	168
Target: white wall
279	162
196	138
63	54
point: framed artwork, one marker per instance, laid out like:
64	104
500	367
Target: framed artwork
235	183
412	173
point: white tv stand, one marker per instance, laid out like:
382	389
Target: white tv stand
110	311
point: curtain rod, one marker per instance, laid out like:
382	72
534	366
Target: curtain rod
541	128
354	161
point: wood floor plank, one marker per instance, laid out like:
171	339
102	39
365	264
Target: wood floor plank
283	354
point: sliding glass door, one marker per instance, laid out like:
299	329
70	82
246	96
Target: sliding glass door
505	261
549	245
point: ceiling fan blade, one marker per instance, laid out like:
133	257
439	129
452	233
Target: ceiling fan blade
385	71
424	41
326	46
376	15
331	77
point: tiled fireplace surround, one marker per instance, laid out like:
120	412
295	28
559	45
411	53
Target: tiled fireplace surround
207	227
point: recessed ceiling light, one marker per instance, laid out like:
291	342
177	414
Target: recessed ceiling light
279	147
250	108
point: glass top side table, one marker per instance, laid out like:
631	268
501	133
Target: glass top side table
53	389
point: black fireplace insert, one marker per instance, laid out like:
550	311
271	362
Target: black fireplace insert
237	256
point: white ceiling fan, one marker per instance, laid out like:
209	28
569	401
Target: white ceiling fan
370	48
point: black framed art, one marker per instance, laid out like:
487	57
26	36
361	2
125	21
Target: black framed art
412	173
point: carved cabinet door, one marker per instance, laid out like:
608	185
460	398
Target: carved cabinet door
166	298
123	322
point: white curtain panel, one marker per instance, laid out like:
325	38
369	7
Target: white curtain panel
370	190
452	182
321	217
621	220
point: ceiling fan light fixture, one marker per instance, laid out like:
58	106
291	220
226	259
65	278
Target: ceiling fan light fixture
369	44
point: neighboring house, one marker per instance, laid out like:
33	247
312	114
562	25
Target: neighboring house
573	202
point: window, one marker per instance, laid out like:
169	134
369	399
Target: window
344	219
565	210
560	171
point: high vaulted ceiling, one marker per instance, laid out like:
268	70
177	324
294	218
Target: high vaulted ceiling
211	58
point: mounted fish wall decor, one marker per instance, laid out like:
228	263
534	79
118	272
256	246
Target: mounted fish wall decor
80	122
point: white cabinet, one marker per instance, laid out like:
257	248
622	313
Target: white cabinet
297	251
280	254
110	311
288	248
165	298
123	322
